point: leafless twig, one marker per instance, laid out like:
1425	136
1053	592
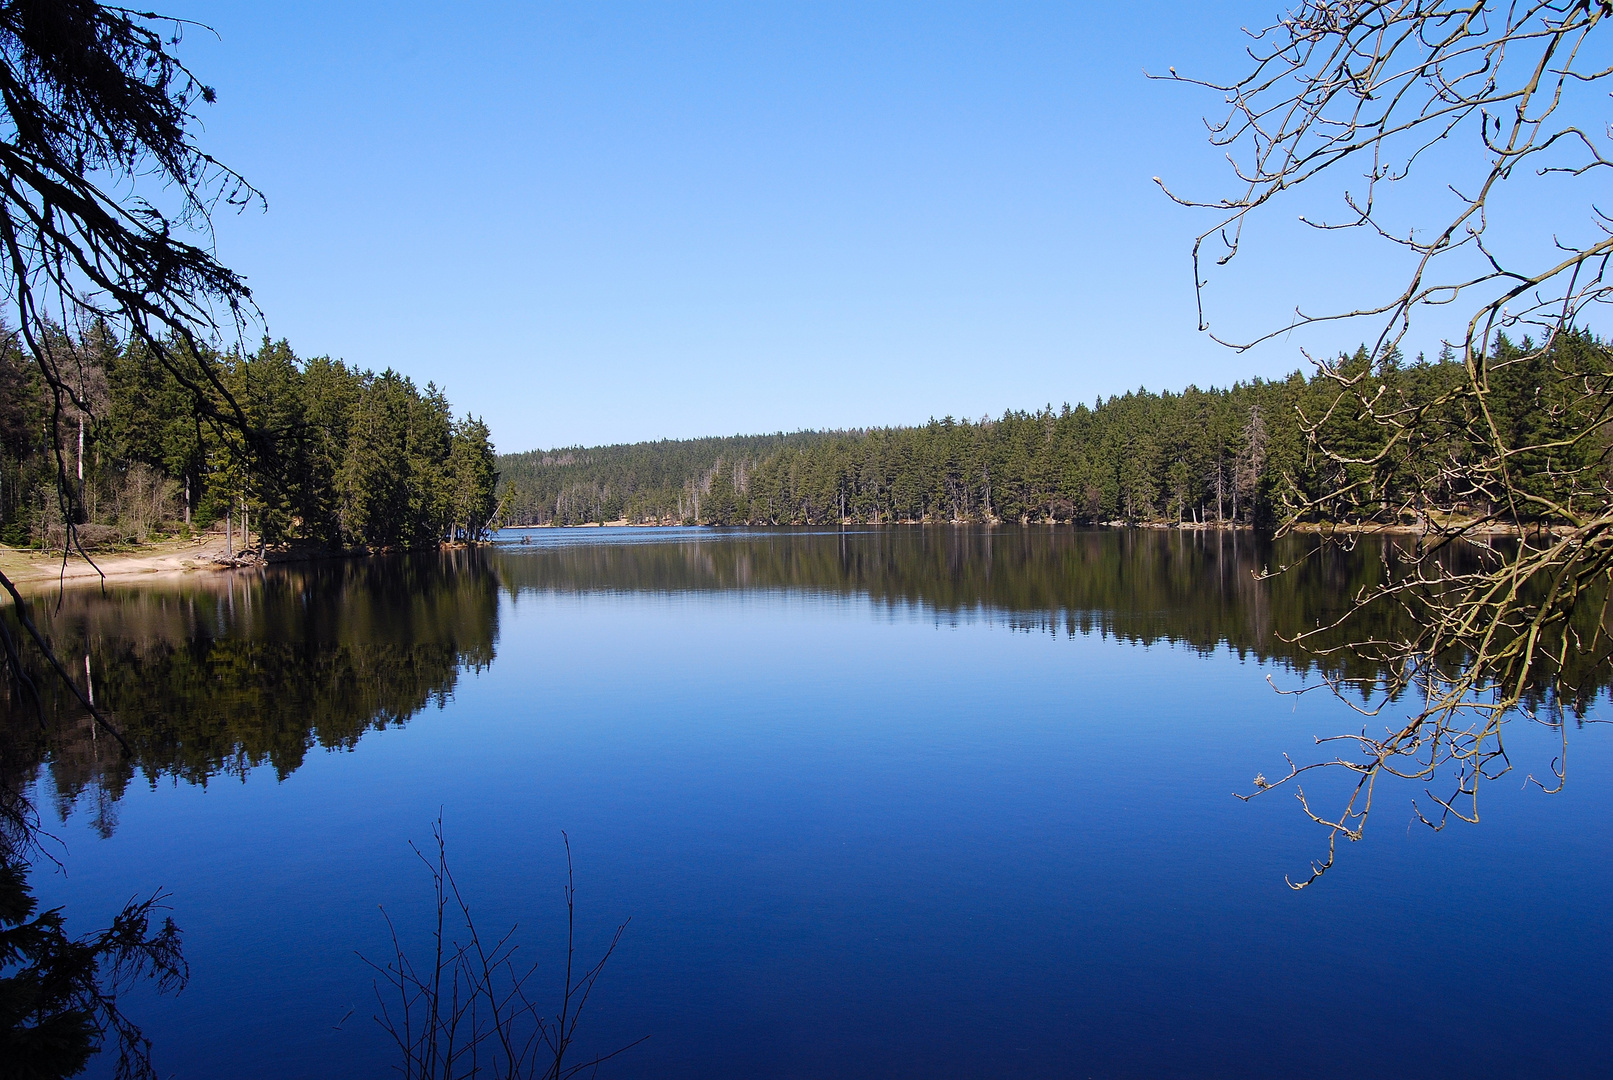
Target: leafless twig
1503	473
470	1010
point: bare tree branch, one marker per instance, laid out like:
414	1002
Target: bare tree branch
1505	474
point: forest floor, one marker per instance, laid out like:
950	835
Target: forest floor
32	571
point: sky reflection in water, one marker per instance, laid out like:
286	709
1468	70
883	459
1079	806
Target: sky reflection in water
897	803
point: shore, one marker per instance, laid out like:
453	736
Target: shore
34	571
1325	528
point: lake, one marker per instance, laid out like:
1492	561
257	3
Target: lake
900	802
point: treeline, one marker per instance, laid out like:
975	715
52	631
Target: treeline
341	457
637	482
1241	455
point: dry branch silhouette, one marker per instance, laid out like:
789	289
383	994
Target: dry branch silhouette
1510	500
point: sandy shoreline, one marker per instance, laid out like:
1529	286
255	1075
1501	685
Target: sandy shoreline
36	571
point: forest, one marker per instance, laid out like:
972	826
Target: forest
345	458
352	459
661	482
1246	455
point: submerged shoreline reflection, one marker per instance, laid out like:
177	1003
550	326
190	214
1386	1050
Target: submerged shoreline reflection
220	675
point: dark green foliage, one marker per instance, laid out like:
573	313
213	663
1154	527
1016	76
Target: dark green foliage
22	439
358	460
1240	456
374	479
659	481
1404	439
472	480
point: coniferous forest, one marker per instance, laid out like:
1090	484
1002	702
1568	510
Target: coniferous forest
354	459
366	460
1243	455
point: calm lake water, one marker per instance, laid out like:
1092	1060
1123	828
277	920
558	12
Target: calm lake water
893	803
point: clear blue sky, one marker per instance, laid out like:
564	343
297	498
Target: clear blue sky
608	222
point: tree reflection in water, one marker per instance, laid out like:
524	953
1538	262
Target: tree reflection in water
224	674
212	675
220	675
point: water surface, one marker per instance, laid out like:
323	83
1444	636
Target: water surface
900	802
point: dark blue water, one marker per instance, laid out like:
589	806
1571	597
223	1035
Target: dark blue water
958	808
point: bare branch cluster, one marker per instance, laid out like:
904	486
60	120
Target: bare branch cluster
61	995
1379	86
1501	473
106	205
98	113
469	1009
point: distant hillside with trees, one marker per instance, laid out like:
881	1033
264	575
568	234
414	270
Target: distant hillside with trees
661	481
354	458
1236	455
1239	455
